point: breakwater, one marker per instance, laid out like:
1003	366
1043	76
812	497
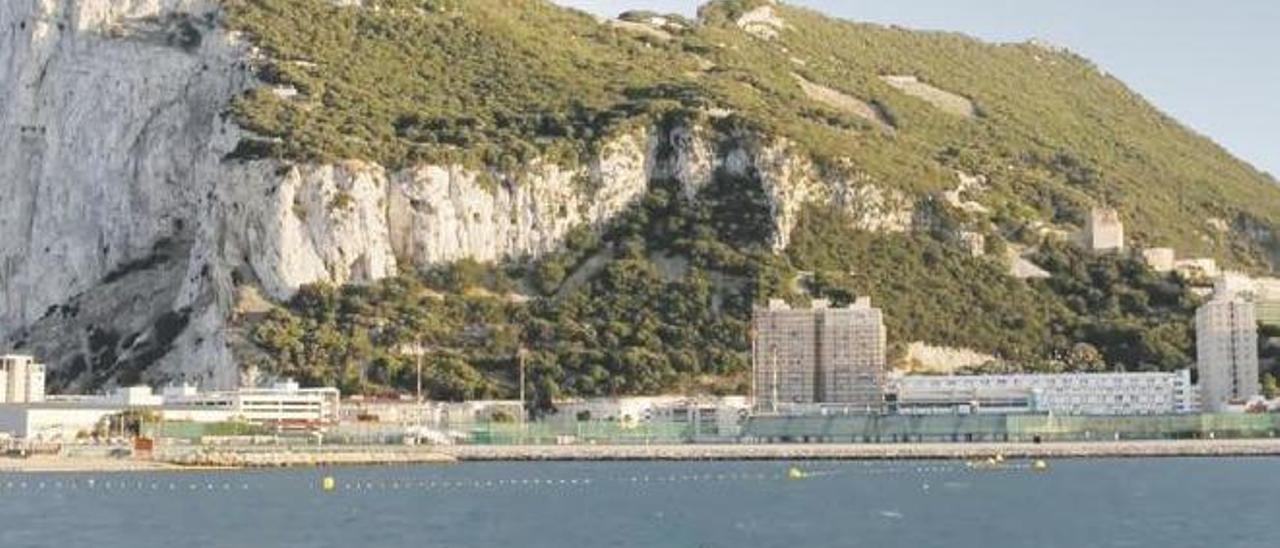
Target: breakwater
898	451
282	458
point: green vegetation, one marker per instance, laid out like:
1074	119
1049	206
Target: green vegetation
1115	305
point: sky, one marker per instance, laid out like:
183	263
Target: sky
1214	65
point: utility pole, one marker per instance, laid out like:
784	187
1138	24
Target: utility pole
773	402
520	356
524	410
419	351
755	357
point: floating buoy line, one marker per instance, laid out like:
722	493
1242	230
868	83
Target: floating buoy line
335	482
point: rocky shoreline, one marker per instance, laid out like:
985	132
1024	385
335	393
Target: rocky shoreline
230	458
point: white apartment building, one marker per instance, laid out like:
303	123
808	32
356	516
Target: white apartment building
21	379
1063	393
1227	351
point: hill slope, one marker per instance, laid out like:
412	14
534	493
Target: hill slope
613	196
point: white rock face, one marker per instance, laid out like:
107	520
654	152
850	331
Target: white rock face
110	135
762	22
445	213
294	225
925	358
791	181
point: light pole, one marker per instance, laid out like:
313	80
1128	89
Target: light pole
419	351
520	358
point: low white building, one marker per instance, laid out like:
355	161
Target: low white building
53	421
1065	393
284	403
406	411
708	415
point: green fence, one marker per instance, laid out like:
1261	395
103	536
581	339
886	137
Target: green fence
587	432
960	428
195	430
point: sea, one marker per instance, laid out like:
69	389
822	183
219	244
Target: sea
1219	502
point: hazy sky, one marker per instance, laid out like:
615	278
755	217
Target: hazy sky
1214	65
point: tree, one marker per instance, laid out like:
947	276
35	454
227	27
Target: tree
1270	389
1085	357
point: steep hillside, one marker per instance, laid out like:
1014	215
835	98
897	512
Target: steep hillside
302	186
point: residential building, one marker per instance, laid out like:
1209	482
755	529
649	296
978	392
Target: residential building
1227	351
21	379
1064	393
822	355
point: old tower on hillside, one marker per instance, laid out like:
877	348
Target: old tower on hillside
1103	231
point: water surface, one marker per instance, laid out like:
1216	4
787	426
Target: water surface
1161	503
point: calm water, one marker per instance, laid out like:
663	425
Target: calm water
1163	503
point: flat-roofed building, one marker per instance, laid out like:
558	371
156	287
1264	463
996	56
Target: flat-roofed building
284	403
818	356
1227	351
1139	393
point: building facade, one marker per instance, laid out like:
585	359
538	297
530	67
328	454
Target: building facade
1065	393
818	356
283	404
21	379
1227	351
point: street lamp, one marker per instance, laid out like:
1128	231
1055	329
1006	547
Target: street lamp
417	349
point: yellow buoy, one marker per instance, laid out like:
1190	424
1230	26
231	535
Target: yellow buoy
796	473
328	484
1039	465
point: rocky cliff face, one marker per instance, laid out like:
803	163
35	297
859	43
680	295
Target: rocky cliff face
125	230
111	130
